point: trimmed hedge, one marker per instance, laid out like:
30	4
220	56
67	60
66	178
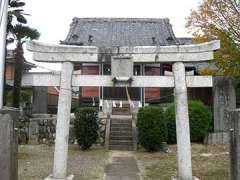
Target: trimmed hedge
152	129
200	118
86	127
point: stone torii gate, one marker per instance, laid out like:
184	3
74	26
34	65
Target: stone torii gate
68	55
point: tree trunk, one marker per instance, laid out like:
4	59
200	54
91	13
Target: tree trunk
19	59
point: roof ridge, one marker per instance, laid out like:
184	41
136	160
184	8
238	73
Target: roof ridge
170	30
118	19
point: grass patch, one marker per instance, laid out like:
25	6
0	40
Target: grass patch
210	162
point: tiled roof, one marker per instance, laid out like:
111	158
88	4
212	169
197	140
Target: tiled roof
115	32
11	59
185	40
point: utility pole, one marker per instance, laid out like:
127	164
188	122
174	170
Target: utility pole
3	29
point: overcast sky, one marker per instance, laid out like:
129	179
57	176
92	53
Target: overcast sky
53	17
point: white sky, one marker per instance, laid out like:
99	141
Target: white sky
53	17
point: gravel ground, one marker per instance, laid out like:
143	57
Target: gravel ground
35	162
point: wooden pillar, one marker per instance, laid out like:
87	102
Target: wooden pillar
143	89
102	88
182	123
80	88
63	121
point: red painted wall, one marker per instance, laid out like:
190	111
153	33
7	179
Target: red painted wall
152	93
9	72
90	91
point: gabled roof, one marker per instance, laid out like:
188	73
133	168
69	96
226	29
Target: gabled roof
185	40
11	60
115	32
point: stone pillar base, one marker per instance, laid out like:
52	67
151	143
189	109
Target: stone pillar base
194	178
50	177
217	138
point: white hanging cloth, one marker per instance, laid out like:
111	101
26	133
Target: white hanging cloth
120	105
114	104
100	103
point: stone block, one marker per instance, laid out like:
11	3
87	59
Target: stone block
224	97
217	138
33	131
234	132
194	178
8	144
40	99
50	177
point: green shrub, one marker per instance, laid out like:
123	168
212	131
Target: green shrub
86	127
151	127
25	96
200	119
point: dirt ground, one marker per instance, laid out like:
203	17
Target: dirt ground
210	162
35	162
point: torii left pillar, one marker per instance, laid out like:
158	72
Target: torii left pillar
62	129
182	123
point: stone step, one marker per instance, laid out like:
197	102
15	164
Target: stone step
120	110
122	117
121	124
121	142
121	147
120	113
122	129
126	177
121	137
118	121
124	105
127	168
121	133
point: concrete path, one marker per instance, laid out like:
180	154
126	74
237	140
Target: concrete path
122	166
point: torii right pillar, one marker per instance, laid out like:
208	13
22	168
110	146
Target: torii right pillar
182	123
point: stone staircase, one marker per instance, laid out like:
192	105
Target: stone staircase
121	136
124	110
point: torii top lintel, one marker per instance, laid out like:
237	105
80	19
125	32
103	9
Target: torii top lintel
43	52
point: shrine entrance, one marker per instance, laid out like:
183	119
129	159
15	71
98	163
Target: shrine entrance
122	64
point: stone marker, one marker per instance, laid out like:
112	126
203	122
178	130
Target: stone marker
40	99
224	97
8	144
234	116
